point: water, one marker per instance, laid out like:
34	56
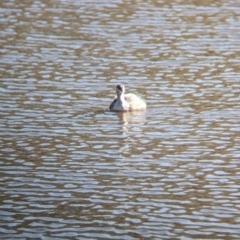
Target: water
70	169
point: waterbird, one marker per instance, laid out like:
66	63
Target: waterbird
126	102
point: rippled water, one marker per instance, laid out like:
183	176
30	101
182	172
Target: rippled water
70	169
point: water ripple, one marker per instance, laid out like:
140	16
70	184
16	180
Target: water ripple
72	169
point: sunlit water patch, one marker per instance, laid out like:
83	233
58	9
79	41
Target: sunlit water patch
70	169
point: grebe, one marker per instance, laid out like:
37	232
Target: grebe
126	102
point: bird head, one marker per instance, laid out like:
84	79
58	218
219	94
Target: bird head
120	89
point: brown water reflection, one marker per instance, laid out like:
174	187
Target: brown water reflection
70	169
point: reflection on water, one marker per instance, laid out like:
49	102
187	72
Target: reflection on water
70	169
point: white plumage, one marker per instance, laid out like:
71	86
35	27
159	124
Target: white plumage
126	102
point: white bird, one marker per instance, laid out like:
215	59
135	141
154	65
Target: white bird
126	102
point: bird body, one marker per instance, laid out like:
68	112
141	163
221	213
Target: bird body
126	102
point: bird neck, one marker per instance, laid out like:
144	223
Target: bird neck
120	97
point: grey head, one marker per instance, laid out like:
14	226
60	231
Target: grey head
120	89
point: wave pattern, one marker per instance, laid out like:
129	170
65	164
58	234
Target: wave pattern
70	169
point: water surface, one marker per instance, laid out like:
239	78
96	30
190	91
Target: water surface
70	169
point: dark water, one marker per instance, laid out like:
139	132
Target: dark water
70	169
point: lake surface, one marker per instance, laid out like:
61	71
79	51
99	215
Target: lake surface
70	169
